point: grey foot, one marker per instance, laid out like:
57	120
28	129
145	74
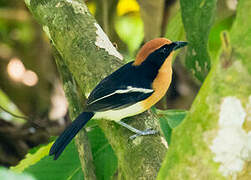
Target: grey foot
144	133
136	131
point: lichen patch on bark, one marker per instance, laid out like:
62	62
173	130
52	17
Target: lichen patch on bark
102	41
164	142
137	140
231	146
248	108
78	7
47	31
59	4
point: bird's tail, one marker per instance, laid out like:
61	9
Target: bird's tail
69	133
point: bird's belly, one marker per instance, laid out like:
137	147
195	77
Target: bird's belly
117	115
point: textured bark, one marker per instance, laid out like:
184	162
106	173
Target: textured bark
89	56
70	89
105	15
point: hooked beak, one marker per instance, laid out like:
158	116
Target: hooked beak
179	44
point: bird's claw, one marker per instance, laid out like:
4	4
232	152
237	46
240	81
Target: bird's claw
144	133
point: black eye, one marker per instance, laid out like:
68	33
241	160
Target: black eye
163	50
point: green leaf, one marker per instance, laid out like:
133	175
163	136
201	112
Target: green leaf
10	175
174	117
197	16
229	79
6	103
32	159
240	35
68	165
214	36
170	119
130	30
105	160
175	29
44	167
166	129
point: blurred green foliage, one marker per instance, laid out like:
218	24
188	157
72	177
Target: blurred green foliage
130	30
230	77
7	106
10	175
215	40
41	165
193	20
39	162
175	29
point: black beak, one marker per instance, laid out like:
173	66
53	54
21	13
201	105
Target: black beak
179	44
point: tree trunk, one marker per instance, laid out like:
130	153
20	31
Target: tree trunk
90	56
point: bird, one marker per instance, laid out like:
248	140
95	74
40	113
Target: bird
132	89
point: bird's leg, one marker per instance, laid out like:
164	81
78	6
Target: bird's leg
138	132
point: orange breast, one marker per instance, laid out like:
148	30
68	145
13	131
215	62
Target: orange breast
160	84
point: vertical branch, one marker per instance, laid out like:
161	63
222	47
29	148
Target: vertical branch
152	21
75	108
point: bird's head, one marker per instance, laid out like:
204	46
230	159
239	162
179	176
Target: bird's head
160	47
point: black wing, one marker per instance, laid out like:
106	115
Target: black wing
126	86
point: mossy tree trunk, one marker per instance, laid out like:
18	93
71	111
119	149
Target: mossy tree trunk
90	56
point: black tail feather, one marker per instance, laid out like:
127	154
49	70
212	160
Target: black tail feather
69	133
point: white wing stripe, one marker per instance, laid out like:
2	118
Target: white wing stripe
122	91
133	89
